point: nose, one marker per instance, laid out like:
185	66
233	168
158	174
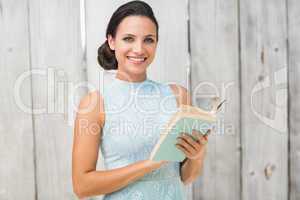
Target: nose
137	47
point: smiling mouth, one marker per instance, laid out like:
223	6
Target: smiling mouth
137	59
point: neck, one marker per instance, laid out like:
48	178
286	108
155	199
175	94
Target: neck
131	77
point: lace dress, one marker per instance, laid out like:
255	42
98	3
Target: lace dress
135	112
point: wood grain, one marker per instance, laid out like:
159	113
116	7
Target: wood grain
294	97
264	99
215	72
57	53
17	170
246	51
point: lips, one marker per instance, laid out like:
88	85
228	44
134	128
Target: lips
136	59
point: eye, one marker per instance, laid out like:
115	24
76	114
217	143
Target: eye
149	40
128	39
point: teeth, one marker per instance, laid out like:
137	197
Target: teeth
137	59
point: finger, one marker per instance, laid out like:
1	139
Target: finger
208	132
190	141
198	135
187	154
206	135
199	139
185	145
203	141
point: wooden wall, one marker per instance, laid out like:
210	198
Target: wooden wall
215	72
17	159
36	138
244	51
263	33
56	50
293	38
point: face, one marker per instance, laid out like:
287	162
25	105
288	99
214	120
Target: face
134	44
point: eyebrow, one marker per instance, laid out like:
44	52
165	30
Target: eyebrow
150	35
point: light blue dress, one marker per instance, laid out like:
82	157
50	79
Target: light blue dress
135	112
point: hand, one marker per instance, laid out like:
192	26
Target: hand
192	149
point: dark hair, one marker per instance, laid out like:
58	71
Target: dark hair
106	56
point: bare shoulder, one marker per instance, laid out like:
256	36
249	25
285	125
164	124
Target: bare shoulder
86	100
181	93
91	107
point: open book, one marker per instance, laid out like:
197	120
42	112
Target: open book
185	120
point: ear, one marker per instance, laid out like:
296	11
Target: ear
111	42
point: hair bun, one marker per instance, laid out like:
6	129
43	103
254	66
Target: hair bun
106	57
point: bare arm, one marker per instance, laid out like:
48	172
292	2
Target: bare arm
87	135
192	165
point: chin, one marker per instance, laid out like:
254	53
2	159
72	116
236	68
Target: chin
137	69
137	72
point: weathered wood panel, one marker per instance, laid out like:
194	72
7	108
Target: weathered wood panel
215	72
49	43
294	97
17	178
264	99
171	62
57	54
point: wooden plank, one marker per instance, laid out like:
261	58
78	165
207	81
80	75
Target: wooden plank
215	72
294	97
17	178
171	61
264	99
57	54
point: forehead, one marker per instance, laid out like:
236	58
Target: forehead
136	25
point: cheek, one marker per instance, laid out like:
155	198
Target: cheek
121	53
151	51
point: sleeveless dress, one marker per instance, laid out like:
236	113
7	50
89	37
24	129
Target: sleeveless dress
135	112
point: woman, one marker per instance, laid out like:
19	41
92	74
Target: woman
125	120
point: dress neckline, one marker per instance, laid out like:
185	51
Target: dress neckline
130	83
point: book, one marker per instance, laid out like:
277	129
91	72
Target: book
186	119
